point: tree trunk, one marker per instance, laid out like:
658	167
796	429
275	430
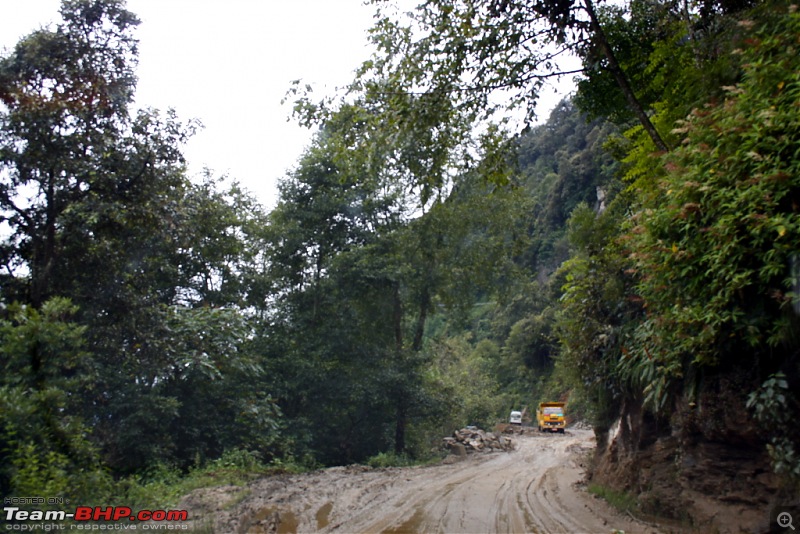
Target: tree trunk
419	330
45	250
400	400
622	79
400	427
398	319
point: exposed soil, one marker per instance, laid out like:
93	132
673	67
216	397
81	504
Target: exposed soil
538	488
707	470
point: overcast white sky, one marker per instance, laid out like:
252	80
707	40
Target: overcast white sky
229	63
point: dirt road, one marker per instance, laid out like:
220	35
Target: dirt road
536	488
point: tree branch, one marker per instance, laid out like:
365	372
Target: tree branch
622	79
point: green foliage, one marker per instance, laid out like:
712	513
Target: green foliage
594	314
471	393
514	331
528	339
244	460
770	401
336	269
774	406
43	348
43	440
37	474
562	163
162	486
358	277
676	59
160	270
621	500
636	30
443	69
389	459
65	94
713	239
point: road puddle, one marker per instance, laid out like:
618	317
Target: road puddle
412	526
323	515
272	519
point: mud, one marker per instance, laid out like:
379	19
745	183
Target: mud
537	488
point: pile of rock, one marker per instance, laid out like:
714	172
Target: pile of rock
506	428
470	439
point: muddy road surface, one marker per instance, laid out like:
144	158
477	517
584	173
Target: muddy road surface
537	488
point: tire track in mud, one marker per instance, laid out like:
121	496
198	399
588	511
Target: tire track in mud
535	489
529	490
422	504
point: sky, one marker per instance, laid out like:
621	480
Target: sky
228	64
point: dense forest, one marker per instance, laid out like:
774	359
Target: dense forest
429	264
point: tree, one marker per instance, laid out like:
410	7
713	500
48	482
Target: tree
595	313
328	337
65	94
45	446
451	64
100	211
358	275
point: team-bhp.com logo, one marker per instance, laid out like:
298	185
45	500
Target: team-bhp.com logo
92	516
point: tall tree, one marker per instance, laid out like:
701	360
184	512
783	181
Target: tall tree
65	94
358	274
450	64
99	210
325	344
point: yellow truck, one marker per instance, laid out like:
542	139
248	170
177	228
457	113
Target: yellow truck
550	417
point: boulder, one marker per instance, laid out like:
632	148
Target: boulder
473	439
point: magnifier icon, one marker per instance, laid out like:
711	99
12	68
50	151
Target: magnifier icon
785	520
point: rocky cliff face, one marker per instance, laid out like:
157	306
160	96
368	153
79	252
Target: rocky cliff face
705	468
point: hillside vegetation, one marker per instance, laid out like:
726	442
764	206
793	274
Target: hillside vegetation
428	265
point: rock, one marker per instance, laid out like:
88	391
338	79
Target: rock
472	439
581	425
458	449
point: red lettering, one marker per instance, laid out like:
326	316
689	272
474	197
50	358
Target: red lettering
120	512
100	513
83	513
111	513
177	515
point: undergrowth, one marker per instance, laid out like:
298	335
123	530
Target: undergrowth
621	500
163	486
392	459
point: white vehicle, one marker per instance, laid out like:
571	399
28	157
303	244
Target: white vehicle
515	418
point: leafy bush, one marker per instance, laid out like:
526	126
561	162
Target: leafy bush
775	407
45	445
390	459
163	485
714	237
